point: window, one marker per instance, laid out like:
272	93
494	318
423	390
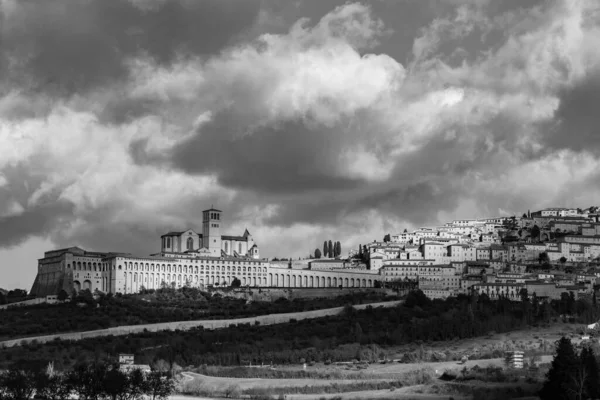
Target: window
190	243
168	242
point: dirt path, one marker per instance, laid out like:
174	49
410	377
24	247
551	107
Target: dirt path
440	367
253	383
400	394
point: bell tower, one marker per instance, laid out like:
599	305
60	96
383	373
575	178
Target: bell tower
211	231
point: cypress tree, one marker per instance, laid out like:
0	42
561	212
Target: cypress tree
330	249
588	361
325	249
559	381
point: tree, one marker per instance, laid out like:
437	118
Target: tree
317	253
563	260
358	332
159	385
3	298
52	386
17	293
330	249
115	384
524	215
360	250
325	249
236	283
559	382
17	384
543	258
136	385
387	238
63	295
87	381
535	232
589	363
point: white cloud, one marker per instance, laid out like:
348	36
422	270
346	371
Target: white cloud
314	73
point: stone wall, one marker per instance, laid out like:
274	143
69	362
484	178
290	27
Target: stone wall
51	282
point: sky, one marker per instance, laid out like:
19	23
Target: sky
303	121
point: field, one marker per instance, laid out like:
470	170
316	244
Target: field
533	341
403	381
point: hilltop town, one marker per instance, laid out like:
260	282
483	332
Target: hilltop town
547	253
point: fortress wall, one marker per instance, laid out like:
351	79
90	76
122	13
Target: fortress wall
270	319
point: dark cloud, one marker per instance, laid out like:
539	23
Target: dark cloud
70	47
577	122
290	157
47	216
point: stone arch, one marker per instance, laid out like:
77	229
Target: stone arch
370	283
287	281
364	283
254	281
328	281
312	281
346	282
270	280
244	281
305	281
322	281
264	282
76	286
226	248
87	285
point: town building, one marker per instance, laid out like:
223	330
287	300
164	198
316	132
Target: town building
186	258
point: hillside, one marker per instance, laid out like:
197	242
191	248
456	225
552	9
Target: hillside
367	335
3	291
166	305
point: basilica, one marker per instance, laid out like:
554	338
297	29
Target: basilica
185	258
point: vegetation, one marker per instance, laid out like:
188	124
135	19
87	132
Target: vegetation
330	249
354	334
85	313
416	377
571	375
13	296
95	381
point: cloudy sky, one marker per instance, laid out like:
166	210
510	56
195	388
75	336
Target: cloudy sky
301	120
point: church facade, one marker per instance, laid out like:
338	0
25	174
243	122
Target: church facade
186	258
210	241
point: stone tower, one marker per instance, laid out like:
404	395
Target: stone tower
211	231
